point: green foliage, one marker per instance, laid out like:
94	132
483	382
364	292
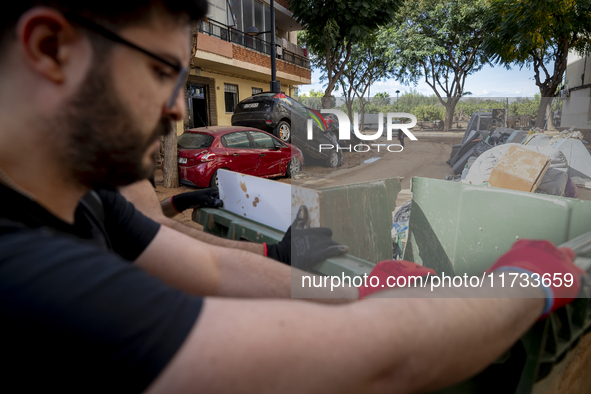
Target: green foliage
538	34
315	102
428	108
520	31
313	94
429	112
425	108
332	27
370	62
328	22
525	106
440	42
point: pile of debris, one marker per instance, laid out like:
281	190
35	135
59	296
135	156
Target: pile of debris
401	217
523	160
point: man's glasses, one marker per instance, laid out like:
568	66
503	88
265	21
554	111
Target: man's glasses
91	25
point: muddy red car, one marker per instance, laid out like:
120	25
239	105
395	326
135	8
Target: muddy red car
203	151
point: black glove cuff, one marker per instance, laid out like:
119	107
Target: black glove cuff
275	253
182	201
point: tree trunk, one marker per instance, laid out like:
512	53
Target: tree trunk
362	106
450	109
545	101
550	117
171	166
350	110
326	101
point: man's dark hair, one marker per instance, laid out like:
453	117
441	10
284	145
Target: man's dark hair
117	14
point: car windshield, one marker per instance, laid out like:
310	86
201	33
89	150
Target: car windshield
194	141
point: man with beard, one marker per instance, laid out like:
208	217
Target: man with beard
87	89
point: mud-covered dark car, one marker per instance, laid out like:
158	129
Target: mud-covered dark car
287	119
332	125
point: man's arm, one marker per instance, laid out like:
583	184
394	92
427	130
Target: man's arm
383	345
142	195
207	270
168	209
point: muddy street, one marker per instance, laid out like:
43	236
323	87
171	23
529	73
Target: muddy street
425	158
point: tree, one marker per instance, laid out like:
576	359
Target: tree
369	63
314	101
333	26
538	33
525	106
381	99
440	41
170	167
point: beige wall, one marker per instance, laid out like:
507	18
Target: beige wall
244	90
576	109
575	69
179	127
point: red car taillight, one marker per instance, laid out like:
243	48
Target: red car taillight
205	156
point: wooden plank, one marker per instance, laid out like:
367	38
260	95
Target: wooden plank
519	169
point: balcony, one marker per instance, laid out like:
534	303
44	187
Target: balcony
234	36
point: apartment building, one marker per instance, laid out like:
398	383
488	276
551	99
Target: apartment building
230	65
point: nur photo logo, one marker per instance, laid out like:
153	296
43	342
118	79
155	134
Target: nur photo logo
345	131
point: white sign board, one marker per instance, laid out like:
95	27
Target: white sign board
274	204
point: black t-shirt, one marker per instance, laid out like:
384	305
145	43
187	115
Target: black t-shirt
76	314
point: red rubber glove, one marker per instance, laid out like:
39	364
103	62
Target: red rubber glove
391	268
543	258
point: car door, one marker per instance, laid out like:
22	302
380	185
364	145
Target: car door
272	160
239	155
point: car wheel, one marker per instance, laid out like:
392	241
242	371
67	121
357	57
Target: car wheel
333	159
283	131
294	166
214	178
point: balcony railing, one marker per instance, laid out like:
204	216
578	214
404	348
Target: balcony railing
227	33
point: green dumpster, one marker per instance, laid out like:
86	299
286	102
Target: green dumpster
456	229
360	216
229	225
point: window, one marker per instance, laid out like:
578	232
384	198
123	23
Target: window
236	6
216	10
231	97
194	141
256	91
238	140
262	140
247	14
252	13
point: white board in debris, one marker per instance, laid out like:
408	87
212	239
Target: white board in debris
274	204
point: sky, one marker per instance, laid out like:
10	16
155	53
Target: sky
488	82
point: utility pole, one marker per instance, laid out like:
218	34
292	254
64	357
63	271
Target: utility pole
275	85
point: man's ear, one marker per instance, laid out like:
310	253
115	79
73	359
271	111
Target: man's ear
45	37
